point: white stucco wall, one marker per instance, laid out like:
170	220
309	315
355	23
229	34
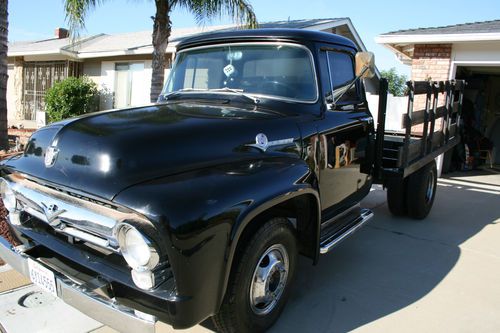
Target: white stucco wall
11	97
396	107
474	54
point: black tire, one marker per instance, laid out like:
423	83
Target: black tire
238	313
422	191
397	196
447	161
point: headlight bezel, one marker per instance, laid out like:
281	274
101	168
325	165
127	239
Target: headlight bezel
132	258
8	196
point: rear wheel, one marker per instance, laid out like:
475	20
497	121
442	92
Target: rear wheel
260	283
397	196
422	191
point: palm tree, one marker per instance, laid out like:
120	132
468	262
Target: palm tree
4	25
240	10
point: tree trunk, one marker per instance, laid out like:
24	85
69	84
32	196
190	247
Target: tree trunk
161	33
4	24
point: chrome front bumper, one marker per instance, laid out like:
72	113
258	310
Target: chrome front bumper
119	317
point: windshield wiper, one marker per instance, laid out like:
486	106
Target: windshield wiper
179	92
240	92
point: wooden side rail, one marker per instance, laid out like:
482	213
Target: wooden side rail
428	116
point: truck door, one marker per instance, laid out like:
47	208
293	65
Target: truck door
345	134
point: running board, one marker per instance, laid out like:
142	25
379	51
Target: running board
330	241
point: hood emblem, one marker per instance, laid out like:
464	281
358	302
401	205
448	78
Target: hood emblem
51	156
262	143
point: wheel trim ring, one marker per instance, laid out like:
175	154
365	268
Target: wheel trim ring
279	252
430	187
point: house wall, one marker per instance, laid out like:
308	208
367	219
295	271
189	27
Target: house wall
476	51
14	94
92	69
431	61
11	96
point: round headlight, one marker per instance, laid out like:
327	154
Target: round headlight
135	247
8	196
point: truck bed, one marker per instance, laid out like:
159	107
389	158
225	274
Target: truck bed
399	154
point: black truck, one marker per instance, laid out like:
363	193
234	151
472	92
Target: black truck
259	149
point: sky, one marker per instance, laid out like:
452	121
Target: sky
37	19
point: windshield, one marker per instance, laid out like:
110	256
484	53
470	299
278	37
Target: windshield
274	70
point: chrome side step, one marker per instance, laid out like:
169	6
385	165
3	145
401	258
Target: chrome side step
364	216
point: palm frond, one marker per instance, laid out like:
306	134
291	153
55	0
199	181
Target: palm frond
239	10
76	13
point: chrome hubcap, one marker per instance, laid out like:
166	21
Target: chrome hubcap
430	188
269	279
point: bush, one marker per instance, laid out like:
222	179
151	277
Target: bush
71	97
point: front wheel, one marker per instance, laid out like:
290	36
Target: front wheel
260	283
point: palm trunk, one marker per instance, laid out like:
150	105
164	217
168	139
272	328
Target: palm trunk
4	24
161	33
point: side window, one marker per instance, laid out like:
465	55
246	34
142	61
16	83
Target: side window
341	74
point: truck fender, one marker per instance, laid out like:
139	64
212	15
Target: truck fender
291	187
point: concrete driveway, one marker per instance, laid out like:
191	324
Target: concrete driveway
396	274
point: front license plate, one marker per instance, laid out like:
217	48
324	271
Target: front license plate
42	277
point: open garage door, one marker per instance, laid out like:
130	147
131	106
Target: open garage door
481	114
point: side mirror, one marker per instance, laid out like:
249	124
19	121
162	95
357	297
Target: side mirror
365	64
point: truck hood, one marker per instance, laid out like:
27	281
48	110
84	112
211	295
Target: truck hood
104	153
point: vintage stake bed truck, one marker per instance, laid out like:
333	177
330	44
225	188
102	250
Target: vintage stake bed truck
260	148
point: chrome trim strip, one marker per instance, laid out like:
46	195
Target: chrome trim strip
69	215
106	311
364	217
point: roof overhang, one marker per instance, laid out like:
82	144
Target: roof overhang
403	45
438	38
338	23
148	50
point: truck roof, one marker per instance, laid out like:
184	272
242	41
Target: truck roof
265	35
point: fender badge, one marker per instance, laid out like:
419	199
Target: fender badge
51	156
262	143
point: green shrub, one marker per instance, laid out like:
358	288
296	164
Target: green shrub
71	97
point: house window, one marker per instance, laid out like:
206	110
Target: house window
38	77
131	88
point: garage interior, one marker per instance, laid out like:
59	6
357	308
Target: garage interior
481	116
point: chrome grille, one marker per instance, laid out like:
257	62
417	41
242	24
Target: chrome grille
67	214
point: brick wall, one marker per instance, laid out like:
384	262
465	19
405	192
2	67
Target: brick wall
22	133
431	61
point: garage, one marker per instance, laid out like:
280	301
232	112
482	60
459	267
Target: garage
469	51
481	113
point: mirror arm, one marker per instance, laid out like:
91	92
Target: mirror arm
346	89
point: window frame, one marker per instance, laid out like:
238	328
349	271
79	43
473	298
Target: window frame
329	67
